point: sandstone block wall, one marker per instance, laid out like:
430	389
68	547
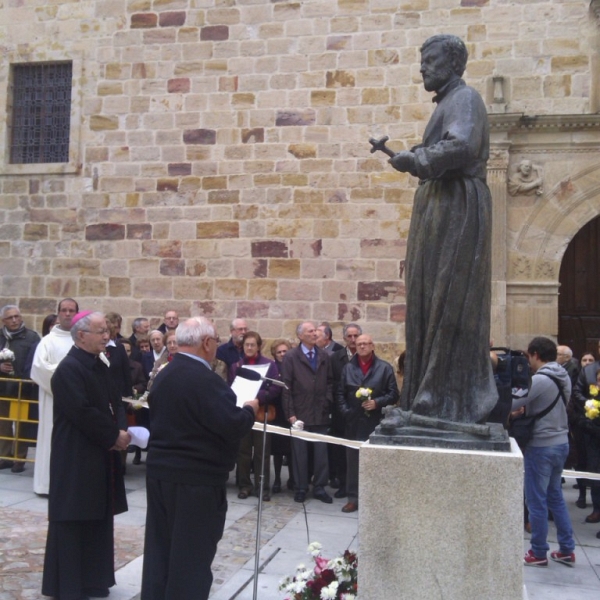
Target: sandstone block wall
221	164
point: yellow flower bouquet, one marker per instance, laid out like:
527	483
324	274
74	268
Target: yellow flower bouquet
592	409
364	394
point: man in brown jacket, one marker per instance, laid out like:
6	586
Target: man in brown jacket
306	371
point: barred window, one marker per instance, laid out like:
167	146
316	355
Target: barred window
41	112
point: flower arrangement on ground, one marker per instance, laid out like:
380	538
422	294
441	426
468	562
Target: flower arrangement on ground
364	394
335	579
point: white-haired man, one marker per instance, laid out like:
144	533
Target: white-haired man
306	371
86	481
193	448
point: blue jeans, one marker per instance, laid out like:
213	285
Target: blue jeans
543	470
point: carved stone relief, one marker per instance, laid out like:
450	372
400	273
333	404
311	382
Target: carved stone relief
526	180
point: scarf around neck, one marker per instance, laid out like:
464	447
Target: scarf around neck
9	335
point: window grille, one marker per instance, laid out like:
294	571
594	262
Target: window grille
41	112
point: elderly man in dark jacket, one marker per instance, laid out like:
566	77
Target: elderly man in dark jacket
86	484
306	371
196	433
15	338
367	385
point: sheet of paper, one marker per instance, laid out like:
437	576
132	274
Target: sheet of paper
245	389
139	436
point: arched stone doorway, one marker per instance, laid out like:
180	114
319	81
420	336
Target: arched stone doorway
579	296
532	232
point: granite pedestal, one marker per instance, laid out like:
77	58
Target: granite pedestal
440	524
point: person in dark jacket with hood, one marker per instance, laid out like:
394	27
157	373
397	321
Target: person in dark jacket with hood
367	385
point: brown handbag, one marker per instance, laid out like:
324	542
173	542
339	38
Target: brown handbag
260	415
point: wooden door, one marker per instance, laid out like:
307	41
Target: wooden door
579	299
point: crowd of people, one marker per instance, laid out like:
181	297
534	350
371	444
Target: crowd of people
83	366
318	394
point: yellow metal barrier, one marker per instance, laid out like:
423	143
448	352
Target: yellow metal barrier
17	410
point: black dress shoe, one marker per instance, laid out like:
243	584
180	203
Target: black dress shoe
18	467
6	464
581	503
276	489
341	493
323	497
299	496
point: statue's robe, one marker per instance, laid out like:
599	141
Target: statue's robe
448	265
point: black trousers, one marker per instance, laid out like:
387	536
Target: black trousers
184	524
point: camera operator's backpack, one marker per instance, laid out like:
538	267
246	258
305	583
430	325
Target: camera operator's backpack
513	379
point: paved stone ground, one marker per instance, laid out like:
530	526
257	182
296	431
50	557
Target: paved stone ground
23	540
239	540
22	546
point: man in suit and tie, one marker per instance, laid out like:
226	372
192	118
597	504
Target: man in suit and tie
306	371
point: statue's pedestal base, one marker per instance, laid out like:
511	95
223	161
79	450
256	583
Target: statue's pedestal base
436	524
454	440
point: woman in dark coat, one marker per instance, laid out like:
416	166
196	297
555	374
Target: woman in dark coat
251	446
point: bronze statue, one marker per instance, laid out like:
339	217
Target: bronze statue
447	373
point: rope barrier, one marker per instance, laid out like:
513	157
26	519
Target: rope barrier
319	437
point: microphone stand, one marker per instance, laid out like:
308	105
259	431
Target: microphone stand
260	498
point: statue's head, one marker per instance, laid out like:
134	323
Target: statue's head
443	58
525	167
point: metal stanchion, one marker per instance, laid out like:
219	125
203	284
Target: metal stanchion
260	503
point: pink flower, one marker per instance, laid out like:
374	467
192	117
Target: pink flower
321	564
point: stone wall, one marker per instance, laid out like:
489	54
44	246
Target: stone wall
220	162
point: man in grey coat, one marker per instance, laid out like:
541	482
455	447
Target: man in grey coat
306	371
546	453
